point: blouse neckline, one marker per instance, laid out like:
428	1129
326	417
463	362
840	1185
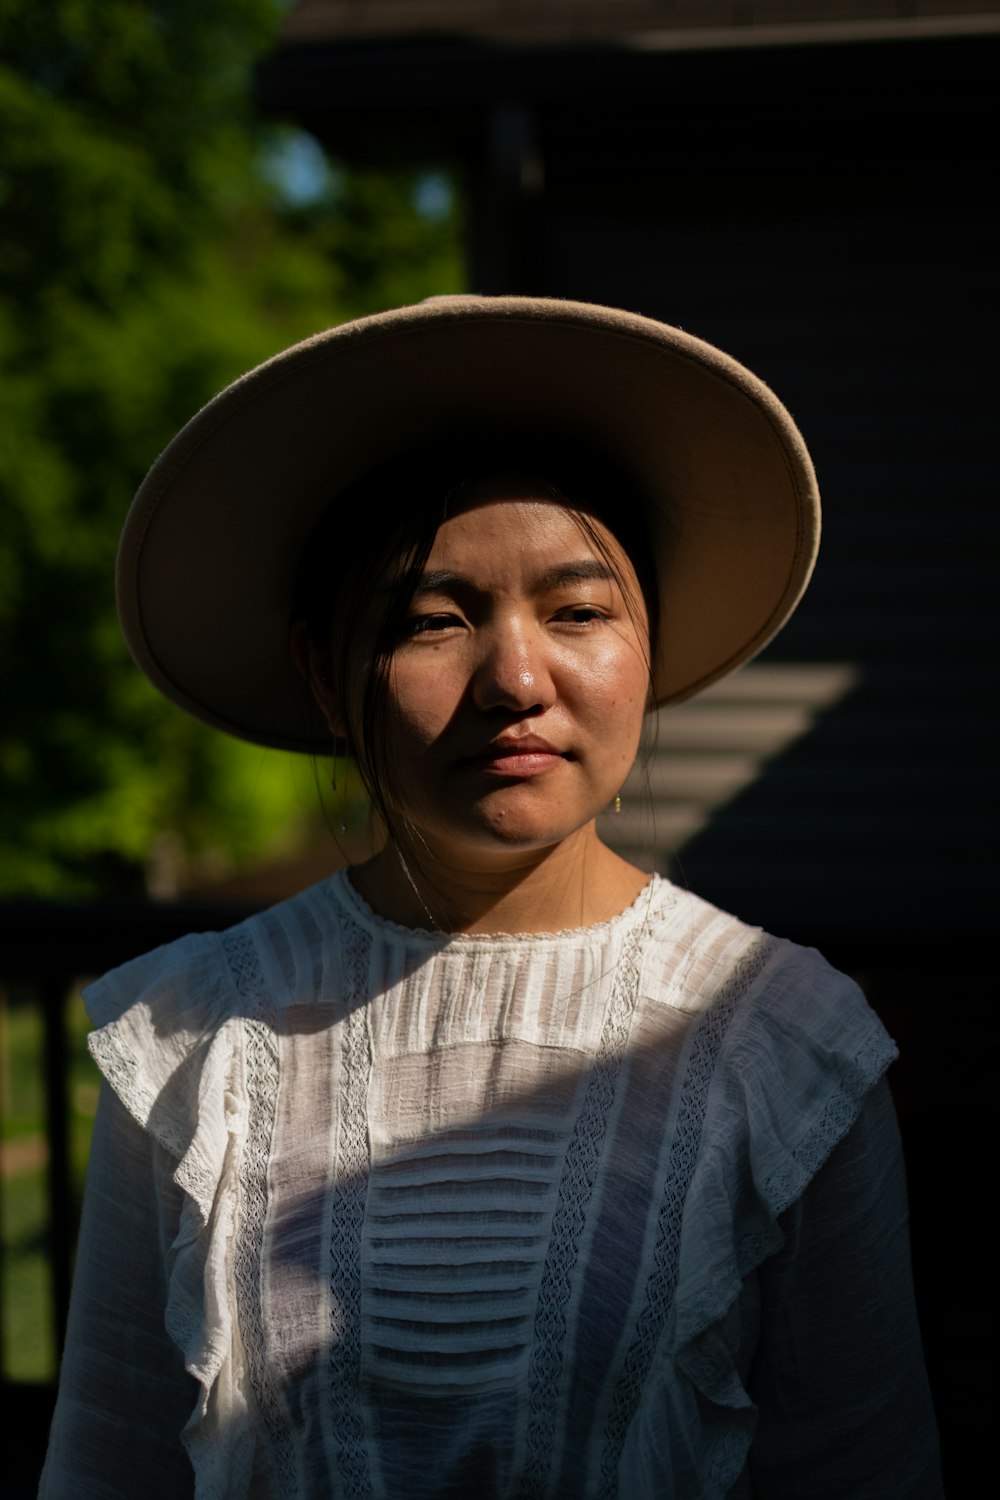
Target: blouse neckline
343	892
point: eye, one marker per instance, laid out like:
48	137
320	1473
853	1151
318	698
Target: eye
430	624
581	614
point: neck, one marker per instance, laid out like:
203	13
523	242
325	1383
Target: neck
575	883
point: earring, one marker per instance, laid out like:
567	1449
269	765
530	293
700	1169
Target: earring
618	802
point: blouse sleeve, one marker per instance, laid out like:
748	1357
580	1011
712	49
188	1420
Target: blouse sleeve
839	1378
124	1395
153	1376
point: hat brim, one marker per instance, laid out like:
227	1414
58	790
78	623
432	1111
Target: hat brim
211	545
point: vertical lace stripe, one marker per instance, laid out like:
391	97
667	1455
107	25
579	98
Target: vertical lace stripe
576	1187
662	1280
261	1069
350	1190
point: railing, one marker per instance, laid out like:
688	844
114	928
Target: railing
46	951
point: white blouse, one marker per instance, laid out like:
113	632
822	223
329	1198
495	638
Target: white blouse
375	1212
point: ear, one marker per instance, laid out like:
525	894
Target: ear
316	671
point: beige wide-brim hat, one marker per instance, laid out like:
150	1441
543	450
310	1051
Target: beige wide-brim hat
212	542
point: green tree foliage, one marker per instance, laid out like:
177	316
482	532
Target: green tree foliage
152	246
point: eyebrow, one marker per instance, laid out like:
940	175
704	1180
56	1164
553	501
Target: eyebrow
586	570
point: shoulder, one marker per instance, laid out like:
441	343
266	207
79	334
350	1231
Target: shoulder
197	978
784	1048
169	1025
783	1052
697	958
691	950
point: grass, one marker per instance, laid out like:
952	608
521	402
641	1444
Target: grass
29	1339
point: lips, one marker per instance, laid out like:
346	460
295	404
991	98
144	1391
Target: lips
518	755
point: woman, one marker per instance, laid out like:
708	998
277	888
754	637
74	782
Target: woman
492	1166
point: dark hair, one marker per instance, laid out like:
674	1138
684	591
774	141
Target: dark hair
389	519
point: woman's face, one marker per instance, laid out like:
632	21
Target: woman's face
516	693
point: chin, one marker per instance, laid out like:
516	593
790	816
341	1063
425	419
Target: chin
509	835
500	823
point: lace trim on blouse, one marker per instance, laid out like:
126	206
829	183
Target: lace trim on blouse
575	1190
662	1280
353	1168
340	888
261	1072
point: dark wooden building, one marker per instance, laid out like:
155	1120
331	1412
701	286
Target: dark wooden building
812	186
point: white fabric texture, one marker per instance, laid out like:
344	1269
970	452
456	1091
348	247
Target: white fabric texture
379	1213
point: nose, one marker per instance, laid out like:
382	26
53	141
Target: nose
513	671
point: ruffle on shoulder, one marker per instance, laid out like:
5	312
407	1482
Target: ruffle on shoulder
170	1043
160	1042
799	1055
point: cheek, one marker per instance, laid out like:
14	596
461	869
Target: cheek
420	703
612	705
615	676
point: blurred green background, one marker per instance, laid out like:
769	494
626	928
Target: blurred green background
30	1336
157	238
